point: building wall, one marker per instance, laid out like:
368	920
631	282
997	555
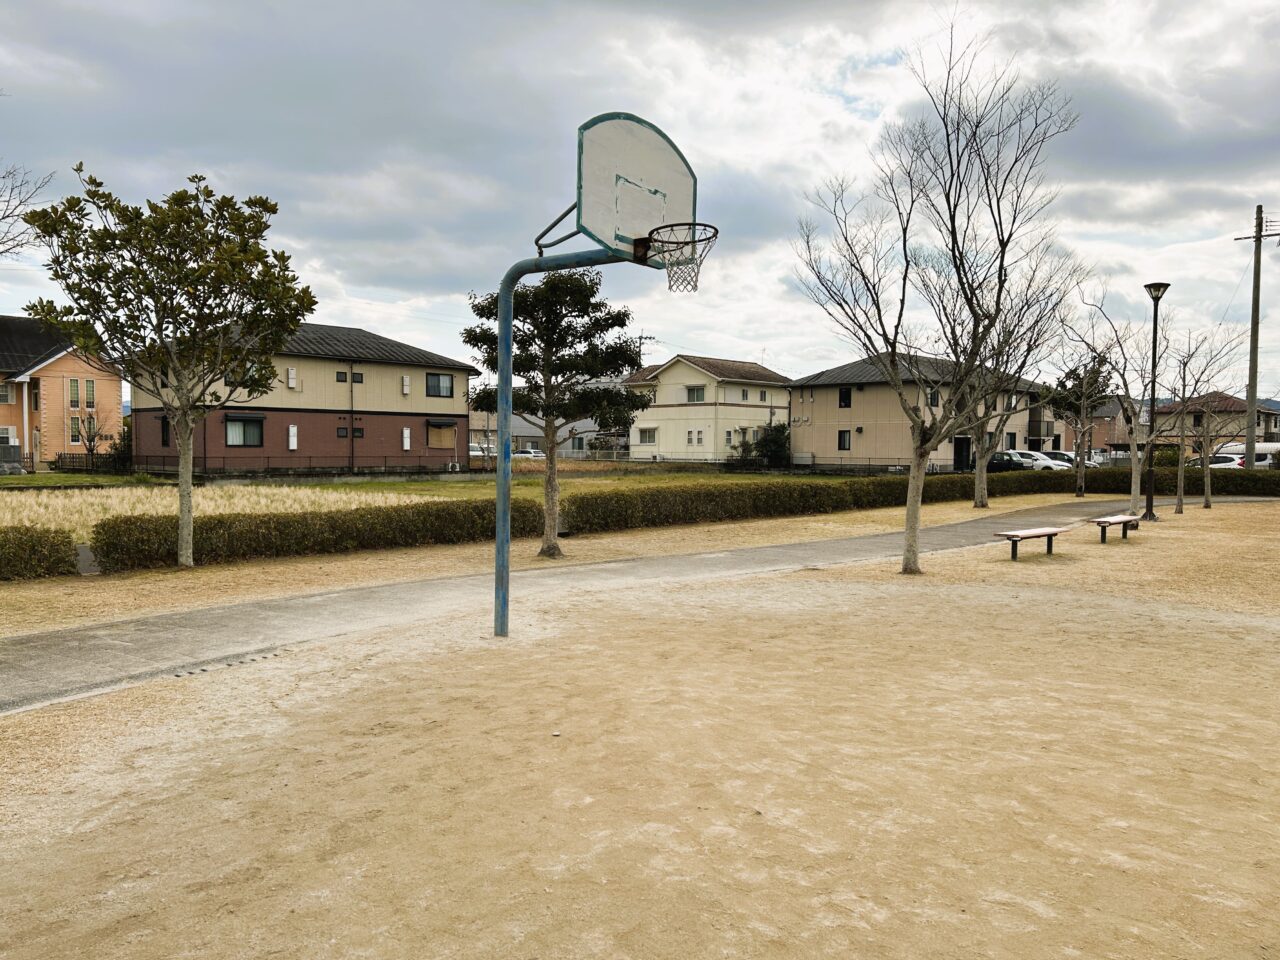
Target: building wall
723	411
817	419
317	404
47	430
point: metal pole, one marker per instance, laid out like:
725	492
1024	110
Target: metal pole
1251	402
506	306
1151	415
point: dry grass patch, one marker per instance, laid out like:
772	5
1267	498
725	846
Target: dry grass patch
78	510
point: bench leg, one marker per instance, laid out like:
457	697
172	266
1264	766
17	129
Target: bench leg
1049	547
1014	549
1124	531
1103	528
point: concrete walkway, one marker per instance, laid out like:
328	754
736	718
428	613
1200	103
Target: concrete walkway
39	668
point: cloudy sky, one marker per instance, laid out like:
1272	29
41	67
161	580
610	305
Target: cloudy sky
416	148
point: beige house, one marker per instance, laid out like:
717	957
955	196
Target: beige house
345	399
52	400
703	407
850	417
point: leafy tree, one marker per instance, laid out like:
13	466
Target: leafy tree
569	342
180	296
774	445
1081	391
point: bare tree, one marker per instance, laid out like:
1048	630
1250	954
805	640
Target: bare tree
1082	389
921	271
1202	362
18	191
1126	350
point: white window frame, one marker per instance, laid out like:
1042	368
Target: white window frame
73	393
293	436
699	438
650	430
7	393
689	439
745	394
728	438
76	435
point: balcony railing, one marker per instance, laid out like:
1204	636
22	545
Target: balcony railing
1041	429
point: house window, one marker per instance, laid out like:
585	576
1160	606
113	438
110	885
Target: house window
648	435
699	438
695	394
578	443
846	397
88	394
1010	441
406	436
164	431
357	433
404	388
439	384
293	436
342	376
442	436
73	386
934	399
357	378
755	435
291	378
1197	419
728	438
75	429
243	433
34	389
91	428
764	395
1010	402
342	432
844	439
7	437
689	439
7	393
744	394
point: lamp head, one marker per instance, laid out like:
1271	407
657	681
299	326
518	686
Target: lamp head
1156	290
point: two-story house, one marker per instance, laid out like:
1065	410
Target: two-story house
849	416
703	407
52	400
344	399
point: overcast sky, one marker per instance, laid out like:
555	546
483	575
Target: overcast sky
416	148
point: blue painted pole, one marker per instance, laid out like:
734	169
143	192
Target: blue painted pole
506	297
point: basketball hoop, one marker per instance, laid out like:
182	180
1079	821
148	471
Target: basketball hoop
681	248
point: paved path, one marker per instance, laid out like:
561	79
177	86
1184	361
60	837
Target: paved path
39	668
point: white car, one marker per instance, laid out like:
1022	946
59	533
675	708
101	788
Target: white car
1230	461
478	450
1038	461
528	455
1064	456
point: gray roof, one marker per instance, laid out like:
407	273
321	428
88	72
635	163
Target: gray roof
352	343
1271	405
25	343
741	370
868	370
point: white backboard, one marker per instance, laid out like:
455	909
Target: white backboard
631	178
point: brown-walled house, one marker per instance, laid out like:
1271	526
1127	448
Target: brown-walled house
344	399
51	397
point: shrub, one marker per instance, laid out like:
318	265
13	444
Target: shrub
28	552
131	543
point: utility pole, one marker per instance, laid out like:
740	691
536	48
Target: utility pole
1251	398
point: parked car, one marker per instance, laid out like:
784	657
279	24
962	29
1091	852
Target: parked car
1069	458
1038	461
1231	461
529	455
479	450
1002	461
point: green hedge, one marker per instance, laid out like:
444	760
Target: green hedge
131	543
30	552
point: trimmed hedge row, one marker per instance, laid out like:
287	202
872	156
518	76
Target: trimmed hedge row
28	552
135	542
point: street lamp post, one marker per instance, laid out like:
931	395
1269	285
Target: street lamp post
1155	291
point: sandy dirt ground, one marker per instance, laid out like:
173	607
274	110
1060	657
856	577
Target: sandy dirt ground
1028	761
72	601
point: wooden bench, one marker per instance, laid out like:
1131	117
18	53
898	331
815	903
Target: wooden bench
1125	521
1017	536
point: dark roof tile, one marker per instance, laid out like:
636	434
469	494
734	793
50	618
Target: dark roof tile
25	343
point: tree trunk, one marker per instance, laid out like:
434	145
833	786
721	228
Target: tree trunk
1182	457
1135	477
1084	436
915	494
980	482
1205	457
551	495
185	427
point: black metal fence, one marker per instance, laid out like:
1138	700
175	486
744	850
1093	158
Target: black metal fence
93	462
